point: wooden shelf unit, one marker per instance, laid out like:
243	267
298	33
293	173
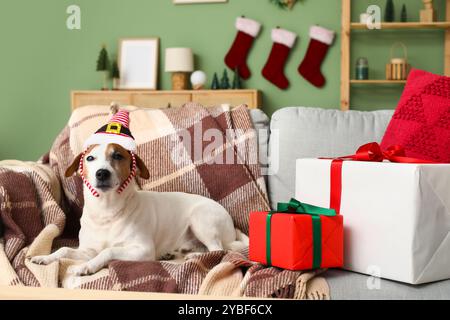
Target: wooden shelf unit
403	25
167	98
348	26
354	81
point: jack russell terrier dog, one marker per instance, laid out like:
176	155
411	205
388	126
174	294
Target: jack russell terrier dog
120	222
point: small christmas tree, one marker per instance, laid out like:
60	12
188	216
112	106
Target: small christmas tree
103	66
225	82
404	15
237	80
215	83
389	13
115	74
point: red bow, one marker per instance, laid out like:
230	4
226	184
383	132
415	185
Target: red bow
368	152
372	152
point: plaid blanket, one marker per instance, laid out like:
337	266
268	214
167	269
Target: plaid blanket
40	208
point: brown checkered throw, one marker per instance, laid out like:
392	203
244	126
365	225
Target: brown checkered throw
40	208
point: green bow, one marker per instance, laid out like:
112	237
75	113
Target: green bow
295	206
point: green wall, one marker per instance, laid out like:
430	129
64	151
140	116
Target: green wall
41	61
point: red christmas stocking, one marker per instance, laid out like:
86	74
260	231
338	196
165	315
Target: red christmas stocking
274	69
248	30
321	39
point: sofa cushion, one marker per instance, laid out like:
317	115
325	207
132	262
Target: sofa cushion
421	123
346	285
300	132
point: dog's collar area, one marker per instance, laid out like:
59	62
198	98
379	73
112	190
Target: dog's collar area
125	184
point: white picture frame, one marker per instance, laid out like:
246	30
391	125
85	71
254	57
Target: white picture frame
138	63
198	1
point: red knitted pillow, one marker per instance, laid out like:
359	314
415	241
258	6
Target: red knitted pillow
421	122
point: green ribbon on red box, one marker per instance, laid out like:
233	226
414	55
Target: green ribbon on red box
296	207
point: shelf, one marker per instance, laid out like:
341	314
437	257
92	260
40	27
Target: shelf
403	25
397	82
347	39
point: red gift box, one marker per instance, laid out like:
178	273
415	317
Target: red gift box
296	240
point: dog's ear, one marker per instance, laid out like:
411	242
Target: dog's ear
74	166
143	171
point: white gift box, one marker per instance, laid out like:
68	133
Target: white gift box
396	216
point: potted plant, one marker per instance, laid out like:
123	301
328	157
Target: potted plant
103	66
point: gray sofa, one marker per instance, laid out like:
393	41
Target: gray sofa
299	132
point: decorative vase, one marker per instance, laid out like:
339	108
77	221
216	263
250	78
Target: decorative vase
362	69
180	80
428	14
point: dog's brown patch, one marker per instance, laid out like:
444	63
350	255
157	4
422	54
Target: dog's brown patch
143	171
121	165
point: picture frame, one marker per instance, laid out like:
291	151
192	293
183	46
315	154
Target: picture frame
138	63
198	1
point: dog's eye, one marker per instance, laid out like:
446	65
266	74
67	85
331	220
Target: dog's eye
117	156
90	158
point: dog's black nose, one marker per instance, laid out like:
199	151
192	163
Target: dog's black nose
102	175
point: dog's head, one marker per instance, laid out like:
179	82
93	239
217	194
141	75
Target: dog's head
107	166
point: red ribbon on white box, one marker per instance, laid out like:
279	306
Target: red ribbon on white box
369	152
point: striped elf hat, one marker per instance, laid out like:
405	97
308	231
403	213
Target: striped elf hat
116	131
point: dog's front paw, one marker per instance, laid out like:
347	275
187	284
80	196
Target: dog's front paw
84	269
44	260
81	270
